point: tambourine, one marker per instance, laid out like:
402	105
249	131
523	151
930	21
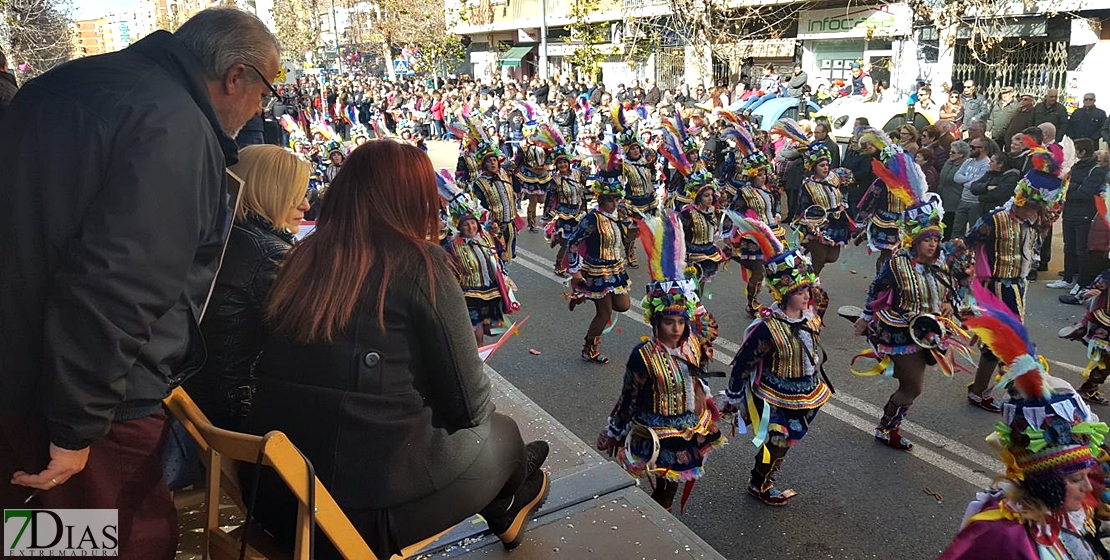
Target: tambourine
641	449
927	330
814	216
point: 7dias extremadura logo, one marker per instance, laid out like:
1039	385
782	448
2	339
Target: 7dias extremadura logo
61	532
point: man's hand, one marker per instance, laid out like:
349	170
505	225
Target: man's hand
607	443
64	463
947	310
861	327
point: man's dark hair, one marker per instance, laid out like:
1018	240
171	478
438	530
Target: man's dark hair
770	67
862	121
3	61
1036	133
1084	145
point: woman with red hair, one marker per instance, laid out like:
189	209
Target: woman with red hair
372	370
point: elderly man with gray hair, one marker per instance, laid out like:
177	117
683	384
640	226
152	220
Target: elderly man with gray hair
110	254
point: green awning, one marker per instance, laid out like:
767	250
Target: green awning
512	56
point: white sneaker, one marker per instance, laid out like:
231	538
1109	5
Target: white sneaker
1076	289
1060	284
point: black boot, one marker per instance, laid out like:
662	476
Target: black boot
762	484
664	493
888	432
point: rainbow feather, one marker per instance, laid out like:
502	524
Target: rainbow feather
671	149
745	144
757	231
527	110
730	117
610	156
1102	204
791	130
445	183
665	245
547	137
1040	157
1006	336
616	112
680	127
902	177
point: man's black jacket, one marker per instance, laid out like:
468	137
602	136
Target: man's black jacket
116	209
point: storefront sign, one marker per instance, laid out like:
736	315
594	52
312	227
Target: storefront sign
888	20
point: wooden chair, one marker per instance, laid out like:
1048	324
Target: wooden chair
222	450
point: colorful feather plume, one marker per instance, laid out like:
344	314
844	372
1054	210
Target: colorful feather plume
477	131
1040	158
671	149
527	110
902	177
1007	337
616	112
582	105
745	144
1102	205
665	245
791	130
448	188
547	136
642	112
875	138
610	156
757	231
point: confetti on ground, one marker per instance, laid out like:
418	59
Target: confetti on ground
534	352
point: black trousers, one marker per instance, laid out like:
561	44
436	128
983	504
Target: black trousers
1046	250
1076	265
486	487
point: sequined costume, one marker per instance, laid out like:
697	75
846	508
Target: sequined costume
1094	331
533	173
825	193
663	392
639	182
596	248
904	289
496	195
477	267
762	205
1006	250
569	194
701	228
882	231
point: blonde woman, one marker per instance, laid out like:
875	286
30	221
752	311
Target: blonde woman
273	205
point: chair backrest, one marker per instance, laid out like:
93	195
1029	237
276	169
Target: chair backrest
223	447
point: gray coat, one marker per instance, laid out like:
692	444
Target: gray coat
975	108
950	190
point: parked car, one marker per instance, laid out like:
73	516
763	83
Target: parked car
782	108
842	114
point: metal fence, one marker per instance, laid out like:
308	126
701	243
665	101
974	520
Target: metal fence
670	66
1031	68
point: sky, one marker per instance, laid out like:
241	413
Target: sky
87	9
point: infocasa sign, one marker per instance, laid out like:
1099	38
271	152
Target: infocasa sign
887	20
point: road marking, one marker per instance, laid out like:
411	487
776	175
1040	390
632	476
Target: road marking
725	351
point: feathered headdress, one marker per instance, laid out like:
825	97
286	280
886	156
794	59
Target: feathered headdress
878	140
1042	184
670	291
788	272
671	149
698	180
755	230
816	153
1046	431
461	205
752	159
548	137
608	181
791	130
905	181
626	134
677	128
729	119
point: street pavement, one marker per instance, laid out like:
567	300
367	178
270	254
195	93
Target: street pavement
857	499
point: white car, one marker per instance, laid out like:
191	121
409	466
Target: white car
842	114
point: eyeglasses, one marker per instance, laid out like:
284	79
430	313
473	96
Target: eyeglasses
1088	99
267	104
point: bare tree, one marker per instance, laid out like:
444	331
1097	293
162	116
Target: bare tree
981	22
713	27
37	34
401	23
298	26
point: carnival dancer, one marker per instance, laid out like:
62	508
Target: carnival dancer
477	262
495	191
638	171
822	214
907	318
1005	242
754	200
595	252
335	161
701	223
568	192
878	204
778	382
665	422
1094	331
533	168
677	141
407	134
467	167
1049	441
